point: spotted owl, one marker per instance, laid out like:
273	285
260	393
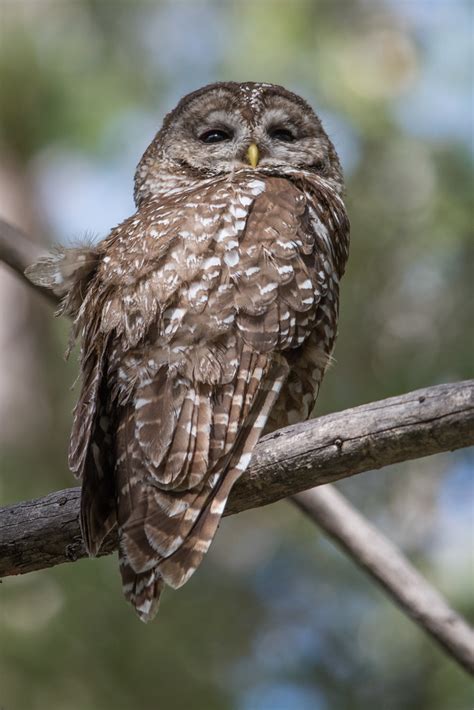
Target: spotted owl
205	319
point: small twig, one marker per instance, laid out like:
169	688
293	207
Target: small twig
18	252
385	563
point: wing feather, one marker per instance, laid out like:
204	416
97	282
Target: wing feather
181	564
189	319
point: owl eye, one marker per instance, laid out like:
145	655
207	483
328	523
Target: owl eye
281	134
215	135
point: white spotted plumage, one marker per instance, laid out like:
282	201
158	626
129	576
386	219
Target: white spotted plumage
205	318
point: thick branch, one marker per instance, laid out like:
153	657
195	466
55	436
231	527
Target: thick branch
390	568
45	532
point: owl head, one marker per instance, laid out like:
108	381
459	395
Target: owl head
227	127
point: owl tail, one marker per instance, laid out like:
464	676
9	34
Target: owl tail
142	590
168	512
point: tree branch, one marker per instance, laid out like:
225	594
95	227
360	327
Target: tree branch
384	562
18	252
45	532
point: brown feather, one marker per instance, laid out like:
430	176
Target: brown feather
205	317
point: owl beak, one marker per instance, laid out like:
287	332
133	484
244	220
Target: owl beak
253	155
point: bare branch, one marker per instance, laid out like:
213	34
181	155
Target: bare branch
389	567
18	252
45	532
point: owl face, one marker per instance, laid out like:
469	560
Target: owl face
210	132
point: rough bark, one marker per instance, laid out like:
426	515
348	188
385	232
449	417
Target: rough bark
45	532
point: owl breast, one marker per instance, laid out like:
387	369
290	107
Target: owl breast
243	260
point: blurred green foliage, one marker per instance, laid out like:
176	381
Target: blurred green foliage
276	619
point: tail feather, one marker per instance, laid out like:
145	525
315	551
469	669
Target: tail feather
142	590
164	534
177	568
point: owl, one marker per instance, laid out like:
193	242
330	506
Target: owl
206	318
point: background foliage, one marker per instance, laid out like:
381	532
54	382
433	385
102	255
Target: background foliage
276	619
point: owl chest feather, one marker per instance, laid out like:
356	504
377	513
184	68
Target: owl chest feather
189	279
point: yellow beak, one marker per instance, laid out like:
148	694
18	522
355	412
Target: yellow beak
253	155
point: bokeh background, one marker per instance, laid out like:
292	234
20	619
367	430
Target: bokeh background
277	618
